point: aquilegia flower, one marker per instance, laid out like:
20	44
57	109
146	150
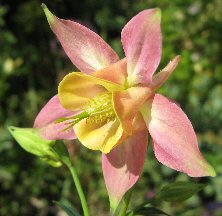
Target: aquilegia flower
112	105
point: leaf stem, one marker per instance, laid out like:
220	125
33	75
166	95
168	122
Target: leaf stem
125	203
78	187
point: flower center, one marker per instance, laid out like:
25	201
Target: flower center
99	110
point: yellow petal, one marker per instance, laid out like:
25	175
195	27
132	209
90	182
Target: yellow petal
77	88
103	137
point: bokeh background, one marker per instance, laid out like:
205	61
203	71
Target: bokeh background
32	63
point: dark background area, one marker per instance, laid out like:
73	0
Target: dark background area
32	63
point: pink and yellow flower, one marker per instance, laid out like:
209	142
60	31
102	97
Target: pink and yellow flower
111	105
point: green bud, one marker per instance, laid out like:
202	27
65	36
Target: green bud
31	141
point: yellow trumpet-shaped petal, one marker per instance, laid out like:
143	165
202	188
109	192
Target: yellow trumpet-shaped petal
77	88
103	137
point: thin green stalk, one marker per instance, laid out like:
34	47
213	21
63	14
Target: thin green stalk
79	188
125	203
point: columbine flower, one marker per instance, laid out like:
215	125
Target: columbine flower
111	103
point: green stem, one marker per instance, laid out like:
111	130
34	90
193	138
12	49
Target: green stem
79	188
125	203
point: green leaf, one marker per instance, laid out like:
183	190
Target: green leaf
31	141
68	209
149	211
179	191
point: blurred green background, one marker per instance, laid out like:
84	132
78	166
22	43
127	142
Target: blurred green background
32	63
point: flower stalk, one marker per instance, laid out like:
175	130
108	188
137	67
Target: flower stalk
62	152
78	185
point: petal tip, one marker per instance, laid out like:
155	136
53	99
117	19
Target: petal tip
158	12
212	172
178	58
50	17
105	150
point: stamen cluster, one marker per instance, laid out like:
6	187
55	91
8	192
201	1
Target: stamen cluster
100	109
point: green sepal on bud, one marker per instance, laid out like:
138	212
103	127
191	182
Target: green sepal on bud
31	141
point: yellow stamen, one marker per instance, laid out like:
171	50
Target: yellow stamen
99	110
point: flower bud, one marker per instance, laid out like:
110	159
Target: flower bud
31	141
